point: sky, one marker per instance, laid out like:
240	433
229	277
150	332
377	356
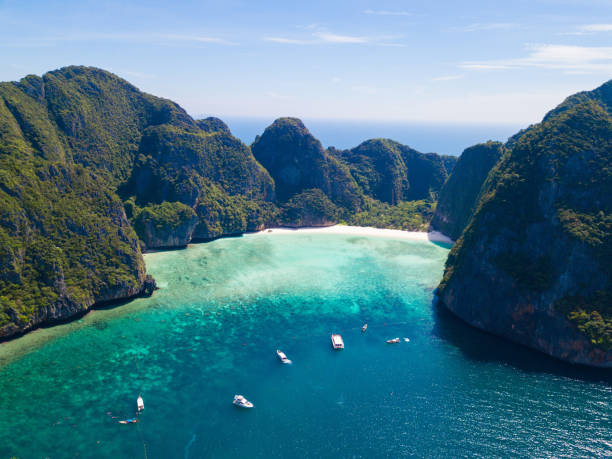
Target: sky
428	61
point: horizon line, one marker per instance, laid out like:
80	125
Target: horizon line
200	116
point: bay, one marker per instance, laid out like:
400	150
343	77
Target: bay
212	329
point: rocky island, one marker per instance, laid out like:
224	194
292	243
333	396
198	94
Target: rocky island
93	172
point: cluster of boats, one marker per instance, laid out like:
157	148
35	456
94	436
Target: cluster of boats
239	400
337	343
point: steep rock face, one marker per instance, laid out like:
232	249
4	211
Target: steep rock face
221	214
459	194
66	244
173	162
97	117
391	172
212	173
67	140
170	224
427	172
533	263
378	168
297	162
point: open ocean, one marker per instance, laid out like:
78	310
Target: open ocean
212	330
443	138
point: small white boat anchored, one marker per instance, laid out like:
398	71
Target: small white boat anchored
281	355
140	403
337	342
242	402
364	328
393	341
407	340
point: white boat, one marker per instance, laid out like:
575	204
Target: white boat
281	355
242	402
337	342
140	403
393	341
364	328
407	340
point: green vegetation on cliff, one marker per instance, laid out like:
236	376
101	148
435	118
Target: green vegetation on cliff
309	208
65	243
406	215
391	172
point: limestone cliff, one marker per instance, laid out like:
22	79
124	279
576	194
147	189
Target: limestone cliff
533	264
297	162
459	195
391	172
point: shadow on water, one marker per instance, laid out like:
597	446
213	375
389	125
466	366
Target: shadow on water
480	346
444	245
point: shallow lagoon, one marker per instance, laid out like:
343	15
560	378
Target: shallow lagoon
212	329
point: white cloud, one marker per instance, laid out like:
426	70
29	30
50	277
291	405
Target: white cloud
289	41
596	28
322	36
589	29
334	38
561	57
487	26
388	13
447	78
197	39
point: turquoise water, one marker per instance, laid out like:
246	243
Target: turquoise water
212	329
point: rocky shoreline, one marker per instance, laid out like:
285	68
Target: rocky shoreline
65	310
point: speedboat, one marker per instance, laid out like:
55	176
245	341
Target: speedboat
364	328
140	403
337	342
281	355
393	341
242	402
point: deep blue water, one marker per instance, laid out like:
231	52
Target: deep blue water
443	138
212	329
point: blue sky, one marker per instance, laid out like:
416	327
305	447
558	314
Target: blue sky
448	61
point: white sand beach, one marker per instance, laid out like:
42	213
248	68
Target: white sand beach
434	236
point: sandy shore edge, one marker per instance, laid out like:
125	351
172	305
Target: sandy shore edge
434	236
